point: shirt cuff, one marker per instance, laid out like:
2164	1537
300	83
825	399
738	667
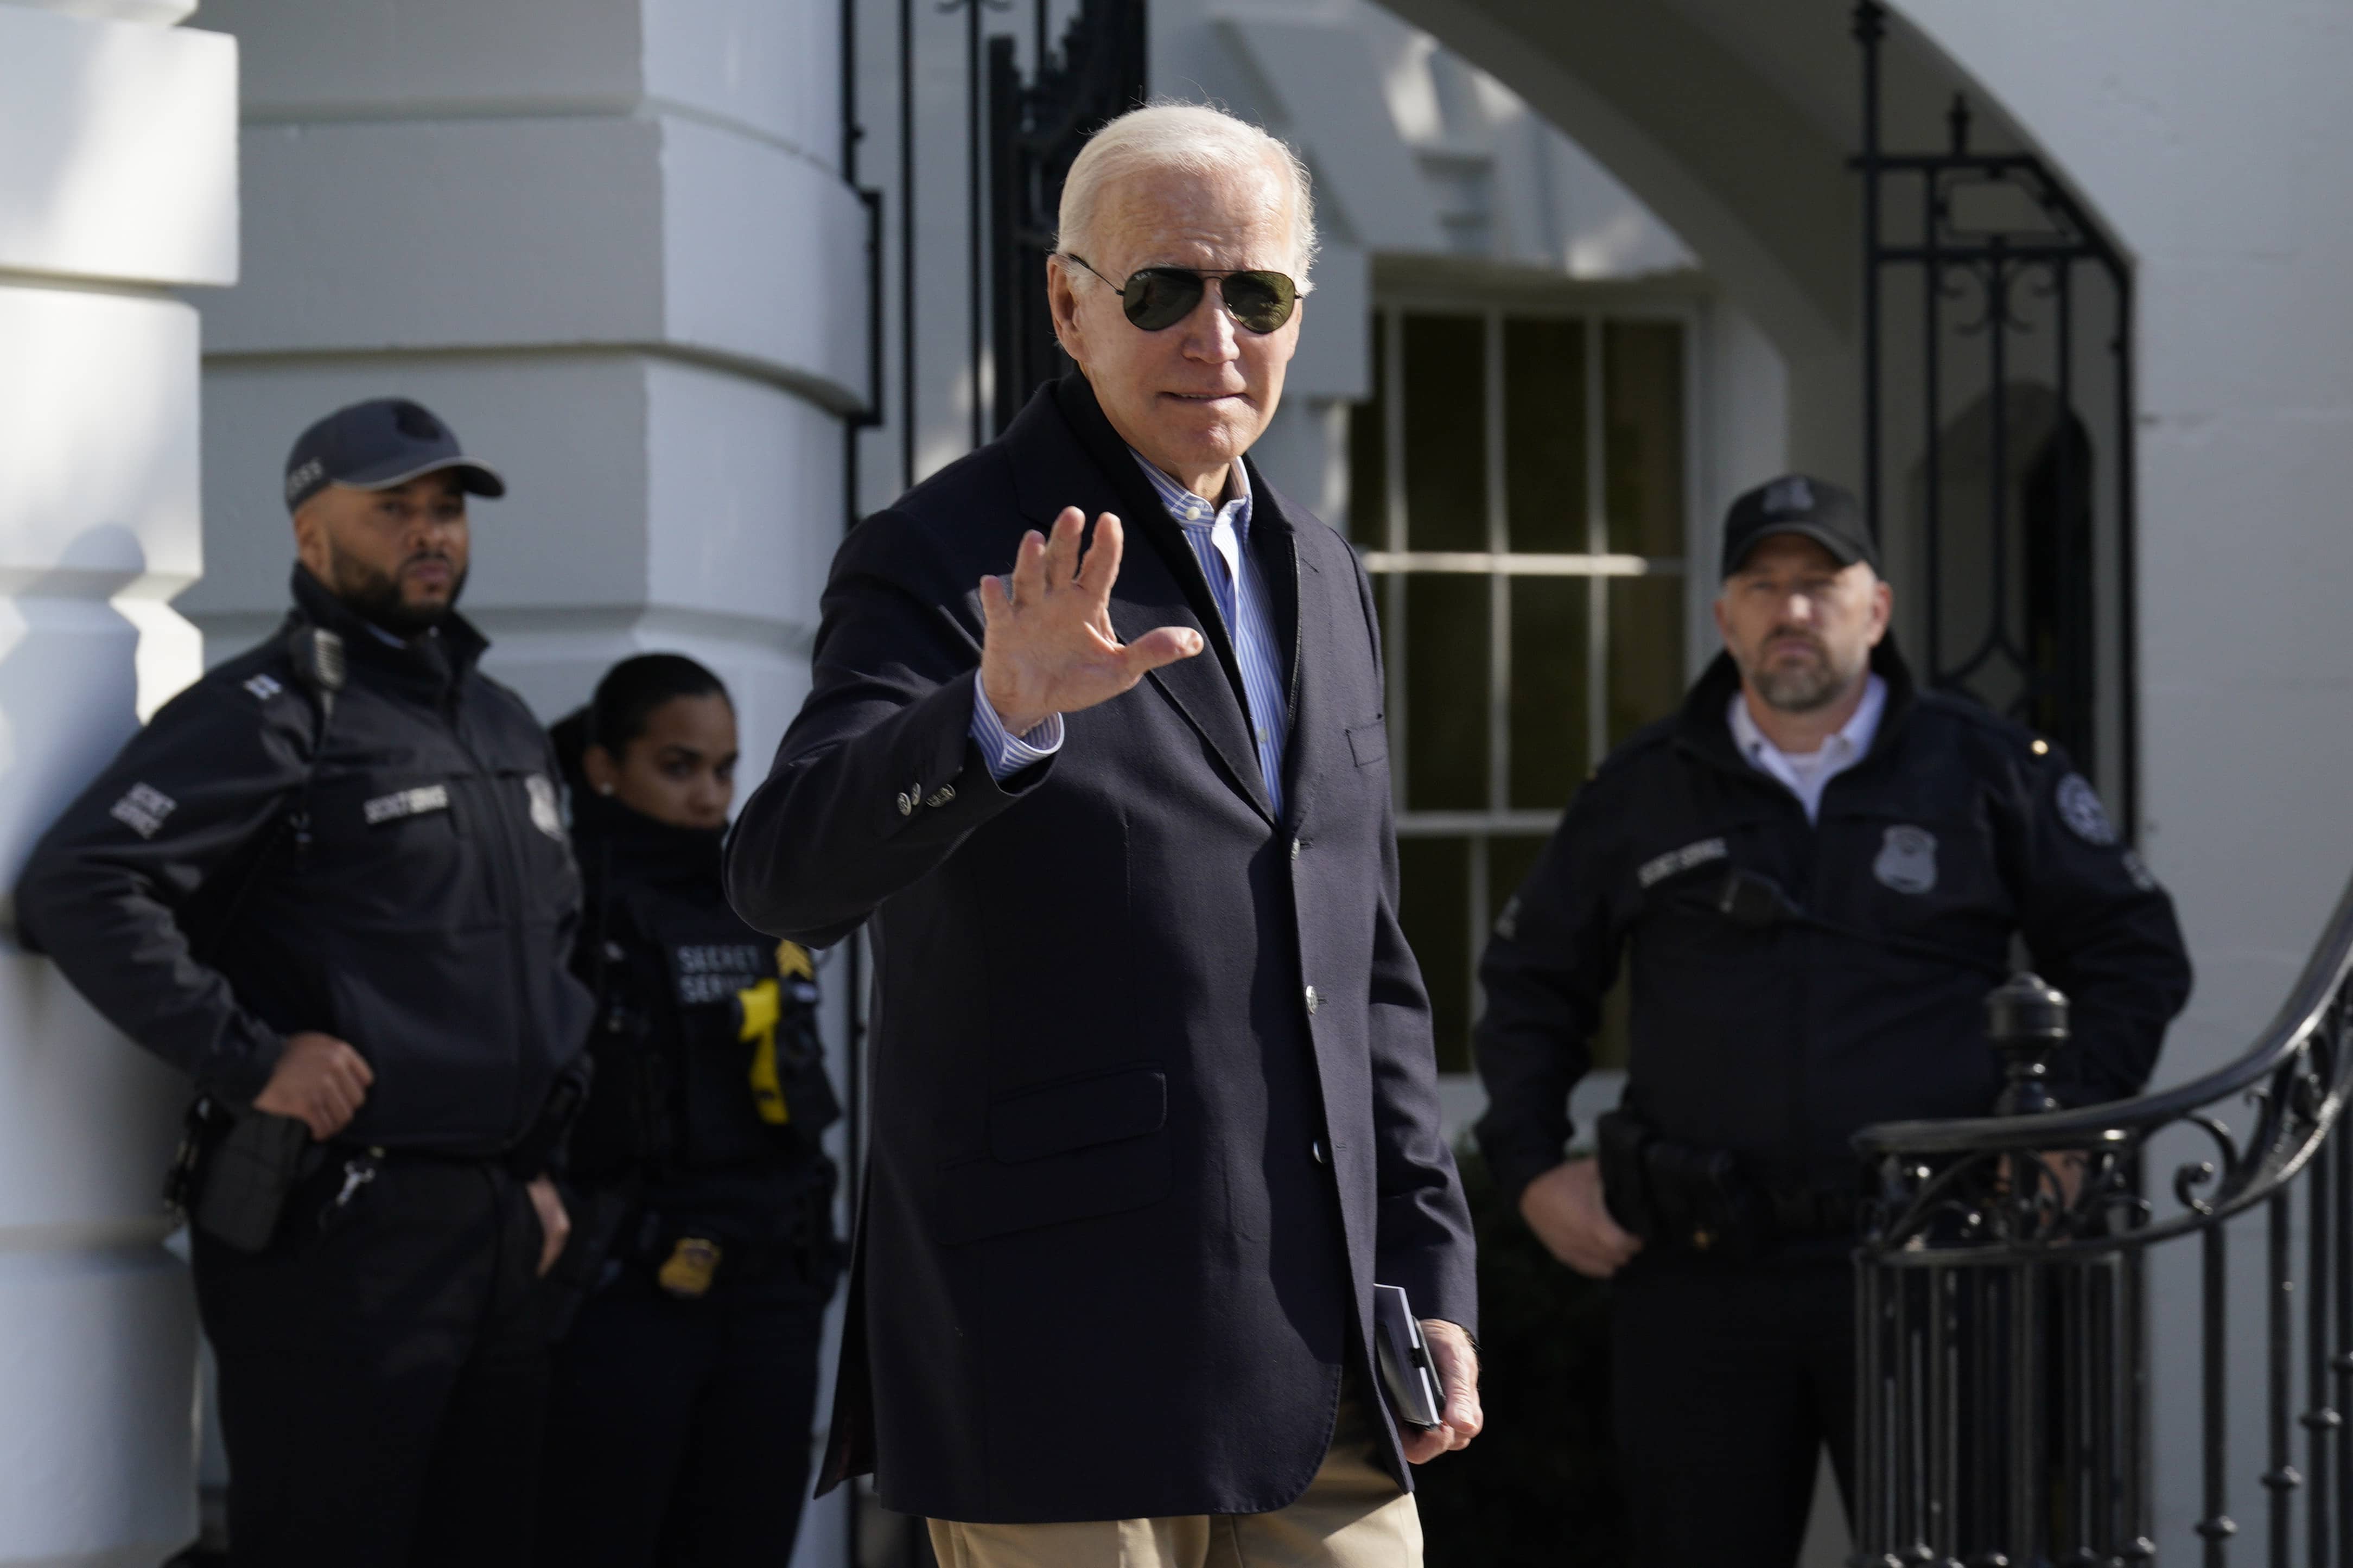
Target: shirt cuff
1004	751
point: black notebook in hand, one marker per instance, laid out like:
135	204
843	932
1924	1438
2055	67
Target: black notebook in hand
1409	1372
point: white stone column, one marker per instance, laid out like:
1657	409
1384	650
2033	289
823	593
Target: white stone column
607	240
117	180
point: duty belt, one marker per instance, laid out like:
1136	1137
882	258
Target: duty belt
1803	1212
1678	1195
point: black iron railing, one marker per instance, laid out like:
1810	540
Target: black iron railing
2003	1298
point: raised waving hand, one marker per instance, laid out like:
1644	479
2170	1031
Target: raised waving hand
1049	646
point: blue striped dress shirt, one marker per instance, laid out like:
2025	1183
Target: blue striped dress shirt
1220	538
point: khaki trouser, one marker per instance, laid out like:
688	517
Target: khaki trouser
1352	1515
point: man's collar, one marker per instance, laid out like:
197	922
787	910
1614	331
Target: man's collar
1852	740
1191	510
1064	415
1701	723
443	657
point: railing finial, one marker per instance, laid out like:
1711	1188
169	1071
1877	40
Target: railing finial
2026	1021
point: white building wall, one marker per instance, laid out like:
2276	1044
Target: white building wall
2211	139
117	180
609	241
1743	438
2214	149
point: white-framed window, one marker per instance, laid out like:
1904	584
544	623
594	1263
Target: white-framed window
1521	489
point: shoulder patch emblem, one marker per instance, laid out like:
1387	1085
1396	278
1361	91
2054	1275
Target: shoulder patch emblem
545	814
1507	924
264	687
1675	862
2079	809
1907	859
143	809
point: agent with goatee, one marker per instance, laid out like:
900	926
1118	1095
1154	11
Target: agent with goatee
1811	877
329	882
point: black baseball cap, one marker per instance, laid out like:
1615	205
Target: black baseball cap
1803	505
379	443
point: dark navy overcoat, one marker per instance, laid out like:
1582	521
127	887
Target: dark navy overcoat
1154	1104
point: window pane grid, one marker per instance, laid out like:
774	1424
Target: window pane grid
1486	564
1494	428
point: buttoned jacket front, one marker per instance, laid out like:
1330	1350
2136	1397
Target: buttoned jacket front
1153	1102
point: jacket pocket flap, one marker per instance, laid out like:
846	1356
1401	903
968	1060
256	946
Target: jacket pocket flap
1066	1116
981	1197
1369	743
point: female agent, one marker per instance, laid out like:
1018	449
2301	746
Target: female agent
679	1425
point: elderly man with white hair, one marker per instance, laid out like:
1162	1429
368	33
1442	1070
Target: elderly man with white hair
1154	1105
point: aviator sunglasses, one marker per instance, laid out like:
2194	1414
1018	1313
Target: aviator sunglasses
1157	297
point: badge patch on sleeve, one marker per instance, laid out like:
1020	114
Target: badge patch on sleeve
2079	809
1907	859
406	803
143	809
1674	862
545	814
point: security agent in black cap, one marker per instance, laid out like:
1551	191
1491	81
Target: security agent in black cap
331	883
1810	876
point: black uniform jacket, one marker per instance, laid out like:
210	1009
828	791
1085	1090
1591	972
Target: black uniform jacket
398	877
1955	832
1132	1180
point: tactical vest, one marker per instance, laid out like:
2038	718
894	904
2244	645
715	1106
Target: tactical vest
707	1052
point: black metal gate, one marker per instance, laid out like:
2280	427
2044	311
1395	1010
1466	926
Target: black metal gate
1035	130
2017	415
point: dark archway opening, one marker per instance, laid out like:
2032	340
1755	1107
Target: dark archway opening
2012	579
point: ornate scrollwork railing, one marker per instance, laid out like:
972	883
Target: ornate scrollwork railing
2001	1293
